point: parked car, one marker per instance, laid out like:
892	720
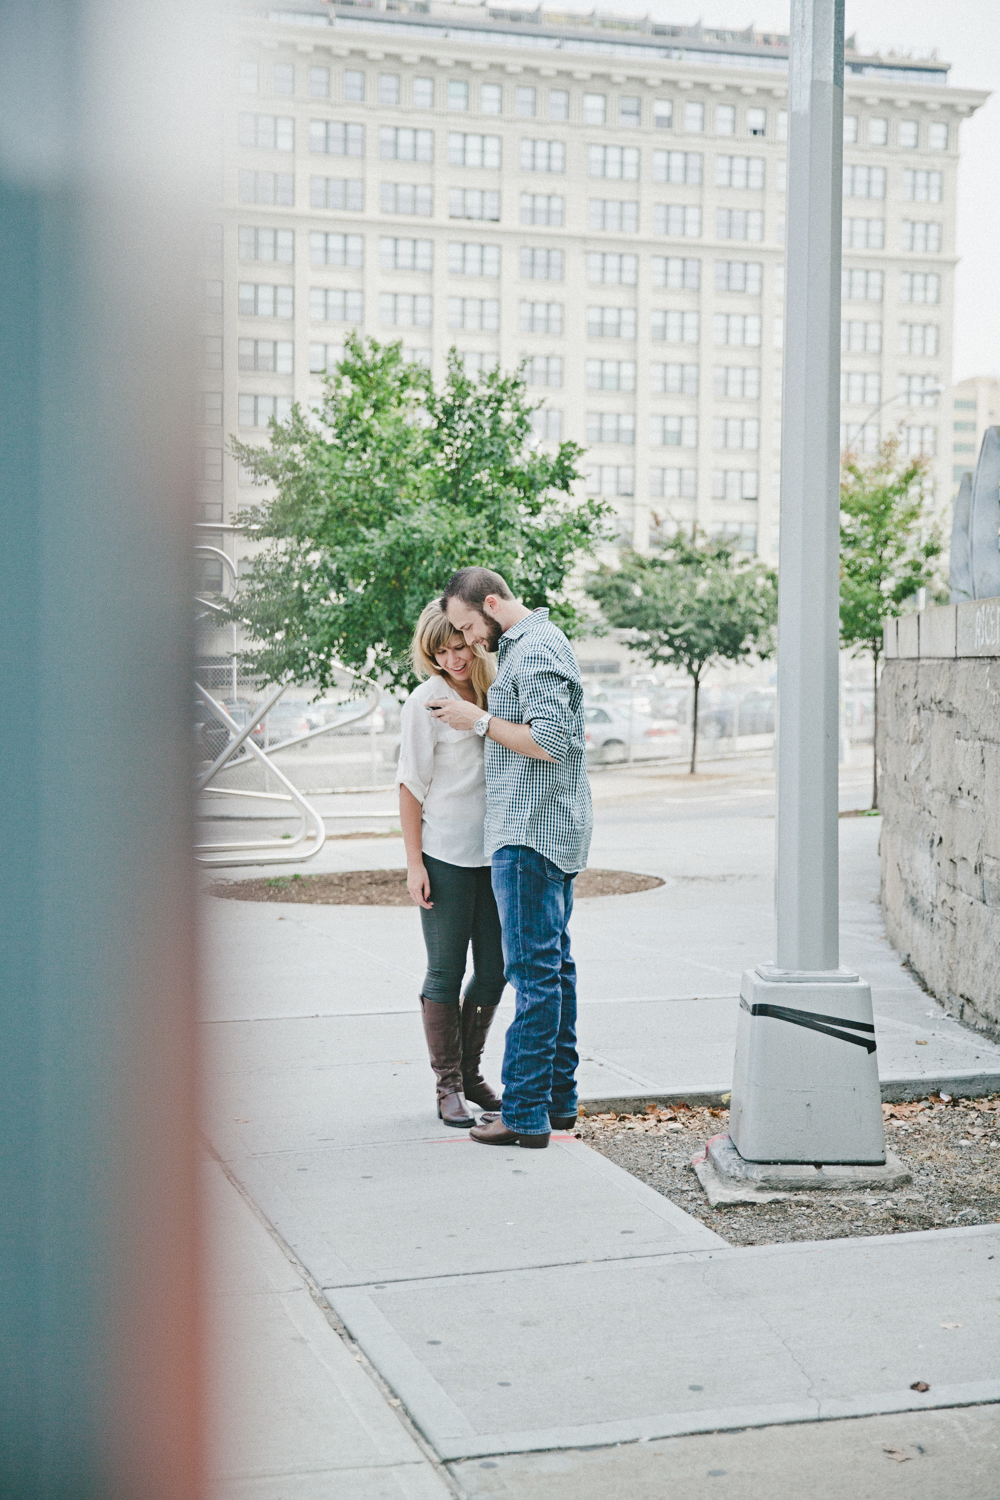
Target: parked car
610	732
718	717
212	736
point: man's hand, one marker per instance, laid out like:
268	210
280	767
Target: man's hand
418	884
455	712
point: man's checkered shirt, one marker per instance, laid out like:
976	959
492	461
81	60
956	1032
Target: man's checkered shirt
542	804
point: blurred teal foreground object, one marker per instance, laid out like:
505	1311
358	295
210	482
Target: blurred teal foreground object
99	1385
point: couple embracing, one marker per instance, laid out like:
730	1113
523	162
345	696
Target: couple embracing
496	816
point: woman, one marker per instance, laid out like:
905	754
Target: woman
442	809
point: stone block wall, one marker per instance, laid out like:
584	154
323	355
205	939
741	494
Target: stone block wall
939	750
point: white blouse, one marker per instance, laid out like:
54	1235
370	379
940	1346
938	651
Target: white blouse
443	768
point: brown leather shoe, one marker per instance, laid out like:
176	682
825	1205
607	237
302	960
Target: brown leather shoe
476	1022
444	1044
491	1131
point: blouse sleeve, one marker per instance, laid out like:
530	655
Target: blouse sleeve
416	749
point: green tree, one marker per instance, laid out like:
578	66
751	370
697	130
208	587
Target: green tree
887	551
381	495
694	605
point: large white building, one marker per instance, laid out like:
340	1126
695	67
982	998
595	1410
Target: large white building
603	198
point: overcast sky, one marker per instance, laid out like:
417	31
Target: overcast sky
965	33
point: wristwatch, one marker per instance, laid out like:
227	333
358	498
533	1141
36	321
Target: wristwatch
481	726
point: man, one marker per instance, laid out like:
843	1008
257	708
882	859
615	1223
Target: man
538	827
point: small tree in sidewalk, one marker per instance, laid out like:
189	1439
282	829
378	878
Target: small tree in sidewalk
887	551
695	605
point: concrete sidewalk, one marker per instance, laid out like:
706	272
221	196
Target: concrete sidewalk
517	1302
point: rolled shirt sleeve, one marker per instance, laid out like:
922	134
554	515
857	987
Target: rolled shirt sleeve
416	749
545	704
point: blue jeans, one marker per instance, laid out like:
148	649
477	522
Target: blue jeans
535	900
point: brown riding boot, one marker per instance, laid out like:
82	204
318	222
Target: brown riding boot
444	1043
476	1022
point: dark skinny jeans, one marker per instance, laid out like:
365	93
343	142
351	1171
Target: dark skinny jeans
464	912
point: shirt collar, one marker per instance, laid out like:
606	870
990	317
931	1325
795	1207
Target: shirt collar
537	617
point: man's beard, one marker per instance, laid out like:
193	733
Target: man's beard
495	632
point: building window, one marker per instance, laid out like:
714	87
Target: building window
270	356
612	269
859	437
611	427
860	286
406	198
757	121
673	484
258	411
473	150
404	310
919	390
284	78
736	432
319	83
858	388
677	167
878	131
388	88
423	93
860	338
734	484
324	357
524	103
542	209
476	362
850	130
611	480
863	234
737	328
739	276
864	182
673	327
937	137
479	314
594	107
473	203
924	238
678	220
491	99
248	78
725	119
458	95
211	242
739	171
266	244
674	380
210	465
210	408
405	254
781	133
739	224
354	86
211	352
473	260
277	188
908	134
676	272
558	104
629	111
738	382
258	300
611	322
920	442
613	214
547	425
336	249
919	286
922	187
611	374
334	138
919	338
337	192
400	143
543	369
618	162
663	114
270	132
327	305
543	156
694	118
541	317
541	265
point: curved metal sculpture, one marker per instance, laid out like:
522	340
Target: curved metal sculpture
975	533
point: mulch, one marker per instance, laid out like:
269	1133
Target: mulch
952	1147
388	887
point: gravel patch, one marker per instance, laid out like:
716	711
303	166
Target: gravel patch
388	887
952	1147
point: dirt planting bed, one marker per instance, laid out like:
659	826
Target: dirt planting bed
388	887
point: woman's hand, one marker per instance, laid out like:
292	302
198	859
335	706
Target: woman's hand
418	883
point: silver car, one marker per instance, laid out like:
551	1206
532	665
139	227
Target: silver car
611	733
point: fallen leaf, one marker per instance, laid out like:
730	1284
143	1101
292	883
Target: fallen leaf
921	1044
920	1385
896	1454
951	1325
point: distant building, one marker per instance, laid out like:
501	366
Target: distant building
601	197
977	406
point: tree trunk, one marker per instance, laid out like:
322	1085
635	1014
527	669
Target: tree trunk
875	731
694	725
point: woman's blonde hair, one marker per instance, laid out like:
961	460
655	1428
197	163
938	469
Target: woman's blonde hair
434	633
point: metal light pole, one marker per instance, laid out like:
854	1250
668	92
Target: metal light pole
805	1085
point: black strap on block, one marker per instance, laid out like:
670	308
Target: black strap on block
828	1025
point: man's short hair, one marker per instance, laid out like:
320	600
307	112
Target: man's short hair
471	586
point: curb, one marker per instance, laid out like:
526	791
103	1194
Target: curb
893	1091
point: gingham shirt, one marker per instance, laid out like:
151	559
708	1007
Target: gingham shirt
542	804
